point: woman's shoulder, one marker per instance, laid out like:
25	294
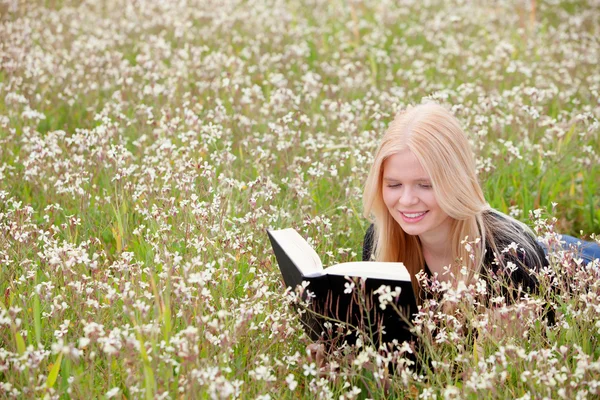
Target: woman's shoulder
505	230
512	250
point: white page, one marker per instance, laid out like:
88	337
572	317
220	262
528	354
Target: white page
299	251
371	269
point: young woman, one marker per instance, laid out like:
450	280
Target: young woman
429	211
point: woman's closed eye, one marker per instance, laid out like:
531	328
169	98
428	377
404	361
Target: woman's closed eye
397	185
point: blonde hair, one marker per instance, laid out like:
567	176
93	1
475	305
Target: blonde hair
436	139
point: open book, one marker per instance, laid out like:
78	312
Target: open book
349	293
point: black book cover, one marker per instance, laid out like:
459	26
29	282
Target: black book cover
333	300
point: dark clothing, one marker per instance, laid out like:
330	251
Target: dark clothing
520	275
368	243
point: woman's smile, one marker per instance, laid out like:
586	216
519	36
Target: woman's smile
412	217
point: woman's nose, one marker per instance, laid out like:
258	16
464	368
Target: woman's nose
407	197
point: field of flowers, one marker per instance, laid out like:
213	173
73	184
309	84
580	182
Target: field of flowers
146	145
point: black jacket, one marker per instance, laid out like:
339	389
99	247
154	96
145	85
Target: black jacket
493	273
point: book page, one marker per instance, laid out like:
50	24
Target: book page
371	269
300	252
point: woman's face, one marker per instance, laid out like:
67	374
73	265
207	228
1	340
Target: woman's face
409	197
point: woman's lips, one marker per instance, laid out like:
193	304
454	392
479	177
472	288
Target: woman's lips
412	217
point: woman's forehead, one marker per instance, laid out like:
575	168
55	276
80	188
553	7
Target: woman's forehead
404	165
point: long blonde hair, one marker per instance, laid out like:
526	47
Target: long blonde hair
436	139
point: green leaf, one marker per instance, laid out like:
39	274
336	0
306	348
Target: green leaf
19	341
54	371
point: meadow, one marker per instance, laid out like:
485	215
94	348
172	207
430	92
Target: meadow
146	145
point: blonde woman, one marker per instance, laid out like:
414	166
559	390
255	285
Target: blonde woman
429	212
428	209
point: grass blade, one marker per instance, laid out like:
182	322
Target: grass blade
37	320
51	380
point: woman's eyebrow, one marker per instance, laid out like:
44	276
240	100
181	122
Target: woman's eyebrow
391	179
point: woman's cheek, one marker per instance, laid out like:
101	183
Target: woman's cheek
386	197
389	197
